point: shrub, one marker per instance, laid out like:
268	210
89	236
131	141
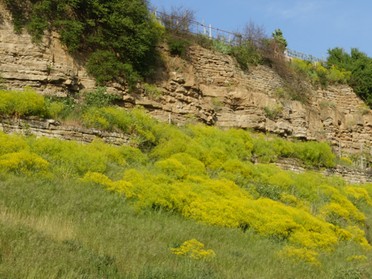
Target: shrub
221	46
273	112
11	144
315	154
178	20
22	103
152	90
99	98
300	254
246	54
56	110
105	67
72	158
23	162
193	249
135	122
355	68
178	46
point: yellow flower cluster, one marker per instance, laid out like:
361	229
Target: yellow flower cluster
23	162
221	202
300	254
193	249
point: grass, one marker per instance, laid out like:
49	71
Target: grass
70	210
51	229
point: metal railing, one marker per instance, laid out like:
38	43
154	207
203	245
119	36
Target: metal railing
213	33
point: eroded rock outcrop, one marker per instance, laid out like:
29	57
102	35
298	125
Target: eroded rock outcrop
45	66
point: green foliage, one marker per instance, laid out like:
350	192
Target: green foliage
222	46
152	90
206	174
135	123
279	39
359	68
178	45
23	163
105	67
316	154
113	35
99	98
246	53
273	112
320	75
22	103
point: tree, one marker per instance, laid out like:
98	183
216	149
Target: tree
340	58
279	39
360	66
124	28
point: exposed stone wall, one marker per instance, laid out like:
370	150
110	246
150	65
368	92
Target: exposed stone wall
45	66
250	100
350	175
52	129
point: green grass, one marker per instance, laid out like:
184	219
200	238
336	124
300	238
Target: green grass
54	229
72	210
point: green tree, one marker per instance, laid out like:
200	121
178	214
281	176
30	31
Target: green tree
279	39
360	66
123	28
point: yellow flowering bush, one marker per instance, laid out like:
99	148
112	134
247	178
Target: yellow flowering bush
11	143
221	202
300	254
23	162
358	194
194	249
70	157
22	103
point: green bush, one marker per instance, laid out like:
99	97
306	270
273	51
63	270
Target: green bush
105	67
135	122
318	154
246	54
356	69
99	98
222	46
22	103
178	46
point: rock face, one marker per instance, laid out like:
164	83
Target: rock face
207	87
211	87
52	129
45	66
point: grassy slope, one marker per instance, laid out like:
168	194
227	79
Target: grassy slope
56	221
67	230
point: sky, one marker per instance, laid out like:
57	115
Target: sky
309	26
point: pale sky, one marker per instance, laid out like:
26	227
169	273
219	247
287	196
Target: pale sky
310	26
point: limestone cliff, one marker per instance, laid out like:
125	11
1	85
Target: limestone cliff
207	87
45	66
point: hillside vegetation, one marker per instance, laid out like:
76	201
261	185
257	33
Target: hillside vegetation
117	41
177	202
186	203
117	38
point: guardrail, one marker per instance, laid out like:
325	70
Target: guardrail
213	33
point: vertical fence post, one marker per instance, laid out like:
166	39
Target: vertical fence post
204	29
210	31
